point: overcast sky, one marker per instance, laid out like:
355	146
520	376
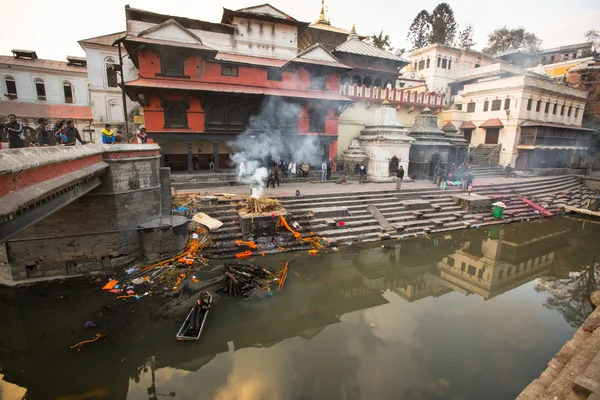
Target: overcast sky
52	28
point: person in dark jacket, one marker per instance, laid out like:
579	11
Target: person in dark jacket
41	133
399	177
58	129
508	169
363	174
73	134
14	129
275	175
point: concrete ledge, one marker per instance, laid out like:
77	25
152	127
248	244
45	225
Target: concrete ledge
13	161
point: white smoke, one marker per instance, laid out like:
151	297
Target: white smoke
271	136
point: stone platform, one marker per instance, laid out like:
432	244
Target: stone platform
472	201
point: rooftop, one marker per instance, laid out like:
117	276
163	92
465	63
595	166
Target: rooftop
42	64
575	46
356	46
450	48
104	40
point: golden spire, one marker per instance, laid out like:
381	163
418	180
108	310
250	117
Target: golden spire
352	34
322	19
353	31
385	99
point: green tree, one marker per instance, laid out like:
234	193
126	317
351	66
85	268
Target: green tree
443	25
465	38
381	41
419	32
503	39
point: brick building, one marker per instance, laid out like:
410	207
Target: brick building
200	82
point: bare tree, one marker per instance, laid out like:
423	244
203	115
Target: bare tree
593	36
465	38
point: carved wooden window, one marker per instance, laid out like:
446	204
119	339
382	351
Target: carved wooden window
229	70
421	65
428	63
547	108
486	105
216	114
529	104
275	74
175	114
318	81
171	64
496	105
471	107
538	107
555	108
316	120
235	115
506	104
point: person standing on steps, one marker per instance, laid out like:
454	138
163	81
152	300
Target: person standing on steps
275	175
399	177
324	171
329	167
363	174
508	170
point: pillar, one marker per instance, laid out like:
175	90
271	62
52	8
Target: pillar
190	157
216	155
326	151
162	155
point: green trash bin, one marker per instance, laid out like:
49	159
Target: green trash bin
498	211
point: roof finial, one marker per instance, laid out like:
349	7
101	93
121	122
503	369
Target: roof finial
322	19
352	34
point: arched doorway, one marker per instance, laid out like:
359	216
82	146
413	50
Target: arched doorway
435	159
393	165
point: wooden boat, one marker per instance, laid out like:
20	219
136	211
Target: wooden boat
194	323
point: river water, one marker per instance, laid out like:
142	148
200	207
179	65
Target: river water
473	314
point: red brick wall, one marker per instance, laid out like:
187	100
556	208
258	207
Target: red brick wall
34	176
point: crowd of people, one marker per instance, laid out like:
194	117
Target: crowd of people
63	132
461	175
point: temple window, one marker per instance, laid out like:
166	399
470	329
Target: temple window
175	114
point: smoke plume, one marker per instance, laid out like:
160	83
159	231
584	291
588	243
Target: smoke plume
271	137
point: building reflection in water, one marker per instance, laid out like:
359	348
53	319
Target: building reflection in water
482	262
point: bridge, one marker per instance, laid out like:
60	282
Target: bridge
67	210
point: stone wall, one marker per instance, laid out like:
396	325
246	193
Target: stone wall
97	231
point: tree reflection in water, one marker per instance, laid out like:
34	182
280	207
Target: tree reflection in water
571	296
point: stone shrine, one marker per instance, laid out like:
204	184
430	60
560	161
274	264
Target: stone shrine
431	146
460	145
353	156
386	143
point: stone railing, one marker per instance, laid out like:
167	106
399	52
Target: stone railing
408	96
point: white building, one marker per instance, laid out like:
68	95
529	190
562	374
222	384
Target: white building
33	88
440	65
105	94
533	121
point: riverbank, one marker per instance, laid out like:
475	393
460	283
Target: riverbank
345	214
574	372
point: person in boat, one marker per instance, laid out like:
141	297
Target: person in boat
204	301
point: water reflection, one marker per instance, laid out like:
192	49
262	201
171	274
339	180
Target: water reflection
381	320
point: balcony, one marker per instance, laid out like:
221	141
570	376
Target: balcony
414	97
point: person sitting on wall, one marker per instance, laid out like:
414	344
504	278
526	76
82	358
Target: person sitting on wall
118	136
108	135
41	133
142	137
